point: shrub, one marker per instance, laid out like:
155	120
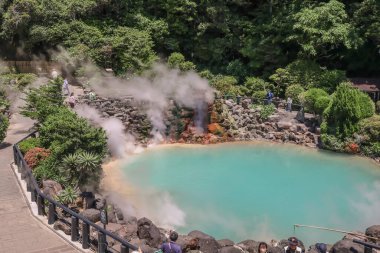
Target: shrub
254	84
28	144
309	98
48	169
294	91
225	84
82	168
35	155
67	196
308	74
347	108
333	143
266	111
372	150
370	127
65	133
321	104
44	101
378	106
260	95
175	60
4	124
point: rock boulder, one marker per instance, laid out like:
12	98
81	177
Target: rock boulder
148	231
207	243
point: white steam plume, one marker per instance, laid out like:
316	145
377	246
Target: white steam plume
155	88
119	143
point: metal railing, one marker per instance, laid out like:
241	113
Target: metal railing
77	234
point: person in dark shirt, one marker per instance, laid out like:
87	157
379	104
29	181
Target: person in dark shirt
292	246
171	246
263	247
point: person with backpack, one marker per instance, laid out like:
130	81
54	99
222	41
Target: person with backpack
171	246
292	246
192	246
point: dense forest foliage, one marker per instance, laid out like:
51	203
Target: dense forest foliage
238	38
303	49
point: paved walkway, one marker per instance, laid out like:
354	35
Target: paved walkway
19	231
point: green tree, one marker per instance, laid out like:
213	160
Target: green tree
319	30
293	91
254	84
43	101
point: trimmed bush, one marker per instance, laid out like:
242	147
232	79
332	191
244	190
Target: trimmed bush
35	155
309	98
28	144
294	91
266	111
347	108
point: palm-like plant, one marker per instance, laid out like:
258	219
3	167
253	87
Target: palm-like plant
82	168
67	196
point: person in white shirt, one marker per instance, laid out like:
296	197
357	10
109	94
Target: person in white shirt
289	104
66	86
72	100
292	246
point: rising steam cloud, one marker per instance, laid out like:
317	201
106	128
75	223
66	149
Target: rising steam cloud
154	90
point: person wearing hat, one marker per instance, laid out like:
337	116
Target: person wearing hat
292	246
171	246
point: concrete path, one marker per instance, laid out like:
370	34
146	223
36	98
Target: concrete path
19	230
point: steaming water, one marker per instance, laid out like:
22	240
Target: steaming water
259	190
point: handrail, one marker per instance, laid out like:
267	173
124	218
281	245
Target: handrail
34	186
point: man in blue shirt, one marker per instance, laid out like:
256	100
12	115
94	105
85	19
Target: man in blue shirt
269	97
171	246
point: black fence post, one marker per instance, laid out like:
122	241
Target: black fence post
74	229
51	216
40	205
33	195
28	186
85	236
101	242
124	249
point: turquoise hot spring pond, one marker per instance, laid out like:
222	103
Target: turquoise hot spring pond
257	190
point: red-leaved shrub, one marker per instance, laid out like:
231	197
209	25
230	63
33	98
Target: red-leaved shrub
35	155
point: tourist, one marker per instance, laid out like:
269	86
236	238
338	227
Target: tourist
137	251
171	246
289	104
263	247
91	96
321	247
72	100
66	86
269	97
192	246
292	246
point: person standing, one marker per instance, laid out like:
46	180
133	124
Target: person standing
72	100
289	104
263	247
292	246
269	97
171	246
66	86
